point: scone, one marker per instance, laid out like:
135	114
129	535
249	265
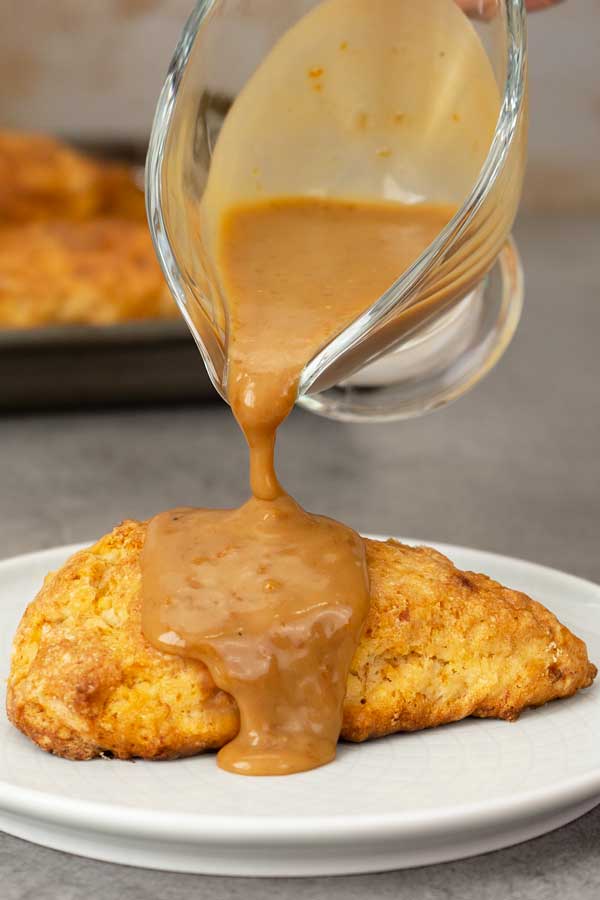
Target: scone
438	645
43	179
95	272
74	241
120	195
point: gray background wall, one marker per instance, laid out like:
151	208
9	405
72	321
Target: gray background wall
94	69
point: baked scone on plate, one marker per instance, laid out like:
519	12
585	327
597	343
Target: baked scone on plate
438	645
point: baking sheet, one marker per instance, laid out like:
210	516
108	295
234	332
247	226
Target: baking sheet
86	365
62	366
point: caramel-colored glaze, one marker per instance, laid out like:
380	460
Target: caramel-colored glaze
295	272
271	598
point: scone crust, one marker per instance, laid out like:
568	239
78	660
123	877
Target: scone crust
438	645
83	679
41	178
95	272
74	241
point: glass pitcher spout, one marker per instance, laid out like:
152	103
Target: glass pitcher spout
408	103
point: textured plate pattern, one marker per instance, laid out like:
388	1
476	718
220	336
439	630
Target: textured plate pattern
404	800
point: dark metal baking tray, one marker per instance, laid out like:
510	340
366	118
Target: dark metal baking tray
63	366
87	365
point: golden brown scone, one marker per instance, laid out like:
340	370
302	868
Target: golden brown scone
95	272
438	645
84	680
41	178
74	242
120	195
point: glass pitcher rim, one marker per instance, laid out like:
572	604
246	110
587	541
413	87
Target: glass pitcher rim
512	101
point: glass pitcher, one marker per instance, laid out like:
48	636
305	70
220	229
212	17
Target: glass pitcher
421	104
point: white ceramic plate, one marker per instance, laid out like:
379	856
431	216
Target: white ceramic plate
402	801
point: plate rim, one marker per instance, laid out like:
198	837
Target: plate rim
307	830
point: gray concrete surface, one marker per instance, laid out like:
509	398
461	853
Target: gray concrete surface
514	467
